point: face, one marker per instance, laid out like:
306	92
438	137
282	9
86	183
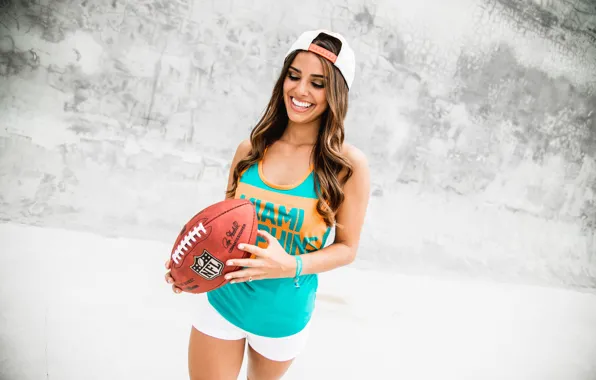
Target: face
304	89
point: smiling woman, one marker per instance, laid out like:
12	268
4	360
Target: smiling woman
303	180
317	81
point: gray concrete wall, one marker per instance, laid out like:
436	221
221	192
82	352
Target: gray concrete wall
478	117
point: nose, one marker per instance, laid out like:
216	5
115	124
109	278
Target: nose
302	87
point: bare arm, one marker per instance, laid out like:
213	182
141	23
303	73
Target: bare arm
242	151
351	215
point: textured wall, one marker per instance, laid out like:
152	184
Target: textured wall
479	119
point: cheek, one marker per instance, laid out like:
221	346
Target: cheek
322	100
287	86
284	91
321	97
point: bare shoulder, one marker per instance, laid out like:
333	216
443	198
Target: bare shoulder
359	163
244	148
355	156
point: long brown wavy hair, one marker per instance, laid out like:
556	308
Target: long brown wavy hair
326	155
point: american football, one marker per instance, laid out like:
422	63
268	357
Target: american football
208	240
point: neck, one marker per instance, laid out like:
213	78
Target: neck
301	134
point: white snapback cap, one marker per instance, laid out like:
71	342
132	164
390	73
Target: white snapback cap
345	61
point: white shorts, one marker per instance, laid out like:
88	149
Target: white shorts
208	321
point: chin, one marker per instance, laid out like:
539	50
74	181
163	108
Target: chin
300	119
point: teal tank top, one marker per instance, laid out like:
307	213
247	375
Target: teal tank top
275	307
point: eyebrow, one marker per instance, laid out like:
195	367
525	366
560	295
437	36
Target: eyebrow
312	75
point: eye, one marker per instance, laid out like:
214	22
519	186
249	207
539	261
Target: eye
294	78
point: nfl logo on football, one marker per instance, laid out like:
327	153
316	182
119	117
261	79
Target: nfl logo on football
207	266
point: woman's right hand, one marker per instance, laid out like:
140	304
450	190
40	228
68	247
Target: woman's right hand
169	278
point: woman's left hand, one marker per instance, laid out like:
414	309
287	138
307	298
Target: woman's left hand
270	262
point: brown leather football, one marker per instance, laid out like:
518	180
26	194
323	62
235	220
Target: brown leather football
208	240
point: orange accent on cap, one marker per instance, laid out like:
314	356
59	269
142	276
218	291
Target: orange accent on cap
323	52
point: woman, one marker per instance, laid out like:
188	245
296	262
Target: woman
303	179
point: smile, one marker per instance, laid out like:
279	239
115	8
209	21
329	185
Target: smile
300	106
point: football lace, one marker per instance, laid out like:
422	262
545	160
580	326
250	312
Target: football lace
185	243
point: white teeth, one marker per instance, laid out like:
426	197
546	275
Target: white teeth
301	104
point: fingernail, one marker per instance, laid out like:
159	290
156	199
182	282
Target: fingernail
228	277
240	246
233	282
230	262
170	281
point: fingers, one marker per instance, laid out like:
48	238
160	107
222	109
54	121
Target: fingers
247	279
267	236
170	280
245	275
253	249
251	263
